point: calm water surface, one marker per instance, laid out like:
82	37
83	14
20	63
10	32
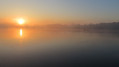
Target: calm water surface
34	47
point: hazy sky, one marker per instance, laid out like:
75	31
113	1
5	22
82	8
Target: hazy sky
61	11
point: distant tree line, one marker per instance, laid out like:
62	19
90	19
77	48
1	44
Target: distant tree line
100	26
110	26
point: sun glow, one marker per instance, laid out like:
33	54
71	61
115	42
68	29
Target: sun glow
21	21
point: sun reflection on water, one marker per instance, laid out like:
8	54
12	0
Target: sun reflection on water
21	32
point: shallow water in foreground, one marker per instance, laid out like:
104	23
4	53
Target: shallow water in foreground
33	47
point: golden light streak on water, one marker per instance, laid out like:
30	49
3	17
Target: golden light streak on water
21	32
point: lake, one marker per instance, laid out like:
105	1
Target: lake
36	47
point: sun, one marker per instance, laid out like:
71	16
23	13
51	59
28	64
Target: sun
21	21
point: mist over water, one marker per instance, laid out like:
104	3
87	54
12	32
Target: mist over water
59	33
35	47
